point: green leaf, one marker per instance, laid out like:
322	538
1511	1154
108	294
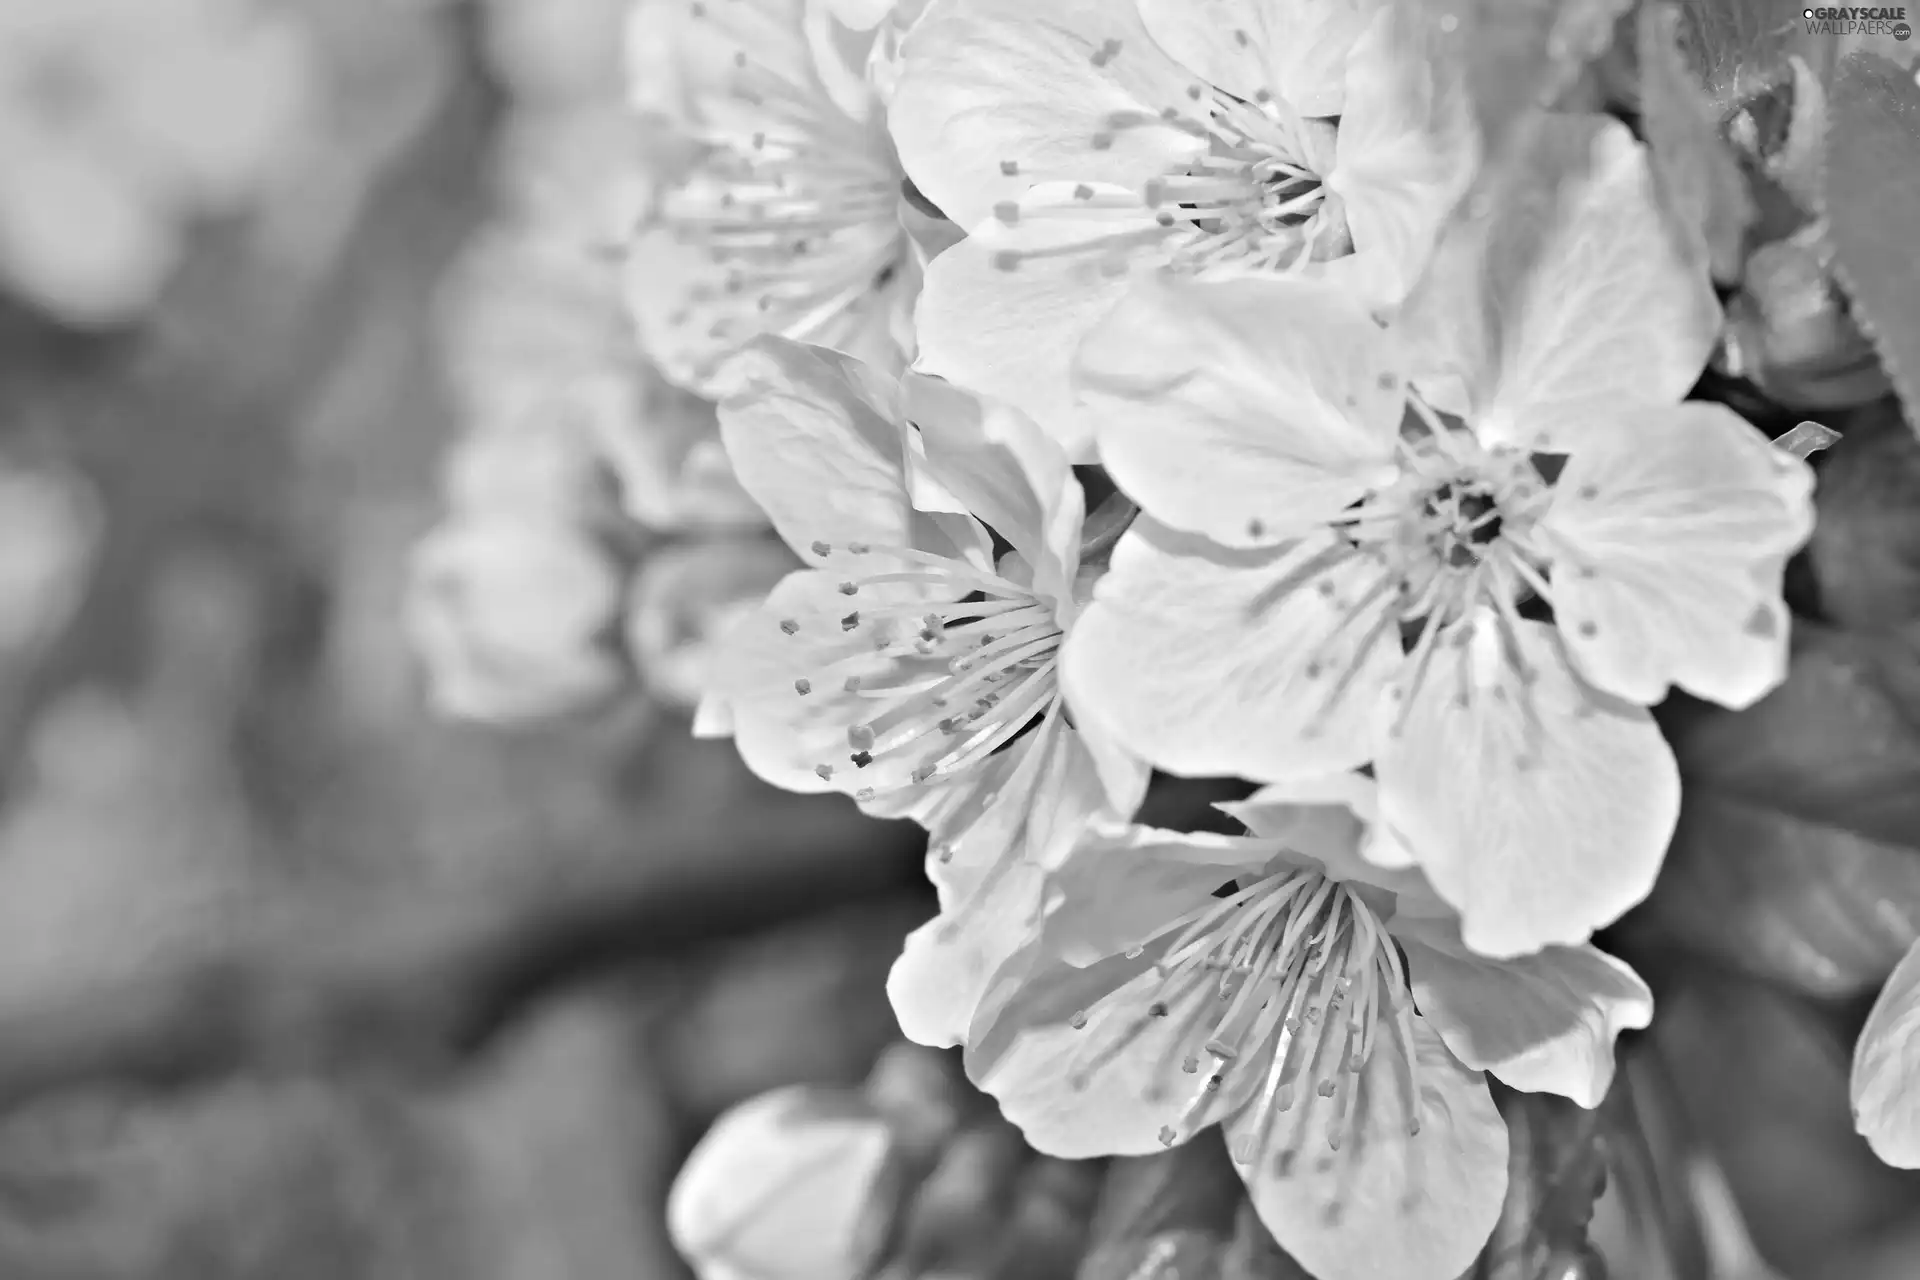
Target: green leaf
1871	195
1797	855
1701	190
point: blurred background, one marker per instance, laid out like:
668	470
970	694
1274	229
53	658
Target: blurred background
312	362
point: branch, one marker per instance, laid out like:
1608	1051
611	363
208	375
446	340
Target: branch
422	977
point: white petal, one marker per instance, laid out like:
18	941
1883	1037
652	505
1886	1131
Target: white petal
1543	1023
1886	1069
1245	410
1387	1205
1333	819
815	438
778	1188
796	640
1034	85
1008	473
1405	154
1013	333
1677	525
1540	810
1208	662
1120	886
943	970
1570	302
1291	48
1107	1087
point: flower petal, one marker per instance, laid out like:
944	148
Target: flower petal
994	94
1542	809
1886	1069
943	971
1386	1205
1570	302
778	1188
1005	471
1676	523
1013	333
815	438
1334	819
1404	155
1543	1023
1208	662
994	831
1107	1087
796	641
1121	885
1245	410
1290	48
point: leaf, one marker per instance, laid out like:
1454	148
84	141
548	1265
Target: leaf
1871	194
1797	855
1556	1170
1866	547
1739	46
1702	192
1167	1215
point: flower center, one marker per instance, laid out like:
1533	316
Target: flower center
948	680
1292	978
1254	199
796	202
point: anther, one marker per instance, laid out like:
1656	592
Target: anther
822	548
824	770
851	621
1007	211
789	626
849	588
803	686
1009	167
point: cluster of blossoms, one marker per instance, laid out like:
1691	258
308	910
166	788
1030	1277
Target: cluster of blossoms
121	122
1129	398
593	532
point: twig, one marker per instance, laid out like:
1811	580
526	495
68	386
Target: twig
421	979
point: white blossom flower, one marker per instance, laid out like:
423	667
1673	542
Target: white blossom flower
1323	1011
788	222
910	665
511	616
1886	1069
778	1188
1331	572
685	599
1081	143
123	120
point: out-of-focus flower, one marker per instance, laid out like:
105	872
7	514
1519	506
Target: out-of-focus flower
1886	1069
123	120
49	528
1083	144
779	1188
514	618
537	346
911	665
558	53
788	223
686	598
1322	1010
1332	572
